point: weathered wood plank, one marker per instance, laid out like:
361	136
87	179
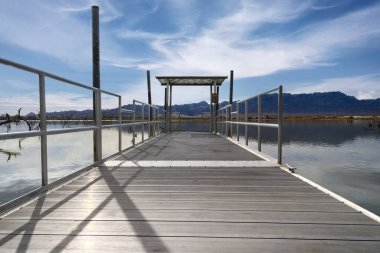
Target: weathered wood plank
98	244
194	205
178	182
194	229
195	215
189	189
197	209
269	197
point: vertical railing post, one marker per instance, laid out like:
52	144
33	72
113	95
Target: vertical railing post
279	138
44	169
134	124
170	107
259	121
227	115
142	124
229	130
120	121
217	111
98	123
151	129
149	123
159	121
154	119
167	108
246	120
237	121
211	122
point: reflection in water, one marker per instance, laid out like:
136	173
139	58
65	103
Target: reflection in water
341	156
67	153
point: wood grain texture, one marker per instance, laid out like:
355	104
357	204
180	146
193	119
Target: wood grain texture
194	209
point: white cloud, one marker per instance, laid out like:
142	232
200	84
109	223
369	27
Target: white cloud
226	43
53	28
107	11
181	95
45	30
55	101
362	87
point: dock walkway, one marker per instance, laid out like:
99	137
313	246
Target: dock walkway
188	192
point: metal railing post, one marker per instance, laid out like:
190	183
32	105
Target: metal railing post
98	124
237	120
154	119
279	153
142	124
44	169
226	121
120	121
134	124
259	121
246	120
149	124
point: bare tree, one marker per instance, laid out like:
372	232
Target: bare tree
17	119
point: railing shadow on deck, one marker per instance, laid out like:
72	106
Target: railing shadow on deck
28	228
150	144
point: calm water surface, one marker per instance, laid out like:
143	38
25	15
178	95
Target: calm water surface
341	156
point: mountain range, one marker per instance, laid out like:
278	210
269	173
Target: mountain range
323	103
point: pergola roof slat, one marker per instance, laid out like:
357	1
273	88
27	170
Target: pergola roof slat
191	80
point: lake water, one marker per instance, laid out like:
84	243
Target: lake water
339	155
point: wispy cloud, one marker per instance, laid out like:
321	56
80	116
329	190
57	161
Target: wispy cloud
107	11
55	101
228	43
362	87
245	36
55	29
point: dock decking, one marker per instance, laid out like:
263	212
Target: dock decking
188	192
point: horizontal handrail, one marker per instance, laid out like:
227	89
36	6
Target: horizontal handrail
110	93
52	76
224	107
256	96
38	72
251	124
96	126
16	135
132	124
226	115
143	103
127	110
25	134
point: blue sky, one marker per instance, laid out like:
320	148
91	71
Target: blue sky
308	46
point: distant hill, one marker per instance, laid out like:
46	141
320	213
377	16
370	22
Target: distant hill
321	103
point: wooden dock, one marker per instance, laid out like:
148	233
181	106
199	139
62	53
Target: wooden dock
188	192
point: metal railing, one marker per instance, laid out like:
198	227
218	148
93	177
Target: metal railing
97	127
155	118
225	113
